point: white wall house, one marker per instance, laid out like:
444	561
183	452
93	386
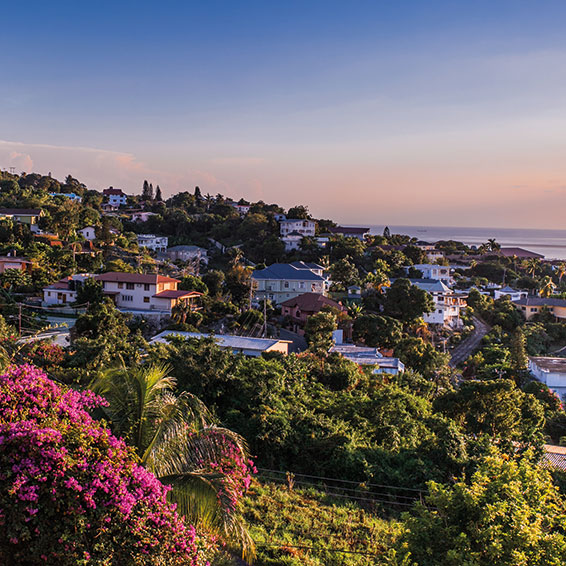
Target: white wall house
433	271
447	304
282	281
153	242
303	227
188	253
142	216
129	291
551	372
292	241
513	294
115	196
88	232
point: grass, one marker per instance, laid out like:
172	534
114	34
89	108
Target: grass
307	528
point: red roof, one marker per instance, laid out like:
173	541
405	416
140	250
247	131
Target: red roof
113	191
119	277
311	302
176	294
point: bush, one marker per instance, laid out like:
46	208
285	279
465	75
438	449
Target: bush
70	492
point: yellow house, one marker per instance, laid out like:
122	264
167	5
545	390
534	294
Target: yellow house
530	306
28	216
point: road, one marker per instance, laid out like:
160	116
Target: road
463	350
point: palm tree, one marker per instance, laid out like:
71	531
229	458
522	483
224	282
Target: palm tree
560	271
174	439
531	266
75	247
492	245
547	286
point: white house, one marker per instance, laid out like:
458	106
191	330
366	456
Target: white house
188	253
142	216
245	345
433	271
145	292
513	294
303	227
551	372
88	232
282	281
447	304
292	241
115	196
153	242
64	291
243	209
71	196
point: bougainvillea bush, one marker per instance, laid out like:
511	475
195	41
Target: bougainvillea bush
71	493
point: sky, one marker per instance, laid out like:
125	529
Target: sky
433	112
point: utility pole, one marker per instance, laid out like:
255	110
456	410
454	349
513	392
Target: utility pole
264	317
20	320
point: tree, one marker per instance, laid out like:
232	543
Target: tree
519	358
345	272
299	212
318	332
547	286
407	302
75	494
90	292
206	466
386	233
509	513
492	245
378	331
420	355
158	196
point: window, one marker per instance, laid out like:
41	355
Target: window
120	285
127	298
146	286
129	286
146	299
286	284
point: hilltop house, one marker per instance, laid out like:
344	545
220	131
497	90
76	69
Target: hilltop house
142	216
29	216
245	345
303	227
282	281
115	197
350	232
130	291
71	196
88	233
153	242
530	306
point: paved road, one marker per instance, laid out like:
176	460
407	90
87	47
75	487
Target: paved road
463	350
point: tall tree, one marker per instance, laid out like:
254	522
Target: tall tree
158	194
386	233
519	358
145	190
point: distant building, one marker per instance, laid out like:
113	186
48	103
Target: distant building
142	216
551	372
282	281
187	253
243	209
433	271
303	227
292	241
12	262
350	232
153	242
530	306
88	232
513	294
301	307
237	344
519	253
71	196
29	216
115	196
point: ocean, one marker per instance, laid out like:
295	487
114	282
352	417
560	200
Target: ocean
550	243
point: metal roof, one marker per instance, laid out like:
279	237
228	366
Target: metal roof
286	271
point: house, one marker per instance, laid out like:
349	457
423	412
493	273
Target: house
145	292
71	196
430	250
88	233
513	294
530	306
9	262
51	240
447	303
245	345
292	241
115	197
29	216
243	209
551	372
142	216
187	253
282	281
303	227
279	216
301	307
519	253
153	242
366	356
64	291
433	271
350	232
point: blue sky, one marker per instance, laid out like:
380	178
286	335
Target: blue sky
439	113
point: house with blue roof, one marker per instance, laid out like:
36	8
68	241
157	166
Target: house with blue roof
282	281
